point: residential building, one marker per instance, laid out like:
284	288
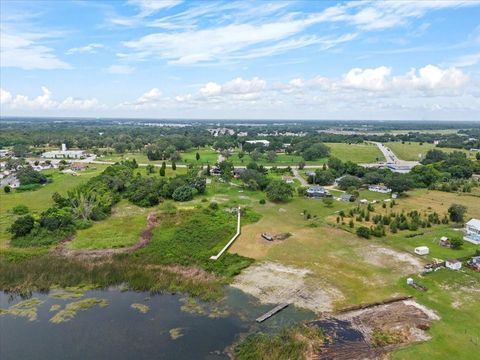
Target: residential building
472	231
317	192
380	189
265	143
453	264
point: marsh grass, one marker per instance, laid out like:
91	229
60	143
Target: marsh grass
71	310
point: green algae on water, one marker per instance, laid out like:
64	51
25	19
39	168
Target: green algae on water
70	310
55	307
140	307
27	309
175	333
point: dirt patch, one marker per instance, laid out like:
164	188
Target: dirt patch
373	332
385	257
145	237
274	283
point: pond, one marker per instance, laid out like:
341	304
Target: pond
114	324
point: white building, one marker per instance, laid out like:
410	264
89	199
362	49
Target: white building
263	142
64	153
472	231
380	189
422	250
453	264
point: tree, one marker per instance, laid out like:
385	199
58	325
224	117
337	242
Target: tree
162	169
271	156
456	243
183	193
349	181
328	202
457	212
55	219
316	151
279	191
208	170
7	189
434	156
197	156
20	150
364	232
26	175
399	183
175	156
174	166
226	169
256	155
22	226
150	169
322	177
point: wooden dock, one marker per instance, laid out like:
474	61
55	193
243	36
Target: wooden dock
272	312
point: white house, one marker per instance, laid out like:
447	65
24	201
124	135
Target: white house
317	191
422	250
472	231
453	264
263	142
379	188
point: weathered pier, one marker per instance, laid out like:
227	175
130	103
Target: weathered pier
272	312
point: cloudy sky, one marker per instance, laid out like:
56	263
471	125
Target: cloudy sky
241	59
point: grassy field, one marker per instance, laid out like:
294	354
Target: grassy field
122	229
415	151
357	153
41	199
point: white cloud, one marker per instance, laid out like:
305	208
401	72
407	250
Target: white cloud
149	7
467	60
367	79
431	77
23	51
211	89
241	86
90	48
120	69
45	102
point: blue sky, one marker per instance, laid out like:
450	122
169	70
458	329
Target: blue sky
241	59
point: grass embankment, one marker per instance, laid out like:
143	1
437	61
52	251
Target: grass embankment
177	259
289	344
357	153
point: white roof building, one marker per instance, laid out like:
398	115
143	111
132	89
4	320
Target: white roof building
472	231
263	142
422	250
453	264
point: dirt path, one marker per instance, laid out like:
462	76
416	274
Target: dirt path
145	237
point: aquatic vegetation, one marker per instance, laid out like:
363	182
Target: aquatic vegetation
55	307
140	307
176	333
70	310
192	306
27	309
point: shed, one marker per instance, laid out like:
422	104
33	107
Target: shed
364	202
445	241
453	264
422	250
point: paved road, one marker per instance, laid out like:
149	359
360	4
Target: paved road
392	158
299	177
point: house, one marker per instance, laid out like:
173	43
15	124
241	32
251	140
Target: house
347	197
215	171
422	250
237	172
474	263
287	179
444	241
310	173
265	143
380	189
79	166
472	231
453	264
317	192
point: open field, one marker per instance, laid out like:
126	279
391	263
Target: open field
415	151
41	199
121	229
357	153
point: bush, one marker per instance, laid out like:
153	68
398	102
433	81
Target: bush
364	232
7	189
213	205
20	209
262	202
456	243
183	193
22	226
279	191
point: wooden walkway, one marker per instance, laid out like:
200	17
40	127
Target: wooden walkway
272	312
215	257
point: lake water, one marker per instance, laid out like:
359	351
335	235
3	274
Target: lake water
118	331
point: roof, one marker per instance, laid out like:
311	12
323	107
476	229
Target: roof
474	223
453	261
421	248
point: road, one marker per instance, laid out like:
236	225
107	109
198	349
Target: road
299	177
392	159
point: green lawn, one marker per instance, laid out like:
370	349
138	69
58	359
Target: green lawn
41	199
122	229
415	151
357	153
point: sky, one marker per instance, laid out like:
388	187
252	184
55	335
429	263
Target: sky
351	60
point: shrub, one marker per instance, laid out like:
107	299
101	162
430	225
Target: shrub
279	191
183	193
7	189
20	209
456	243
262	202
213	205
364	232
22	226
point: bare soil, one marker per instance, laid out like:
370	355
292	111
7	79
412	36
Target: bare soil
274	283
145	237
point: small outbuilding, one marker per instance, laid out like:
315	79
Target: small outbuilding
453	264
422	250
364	202
444	241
